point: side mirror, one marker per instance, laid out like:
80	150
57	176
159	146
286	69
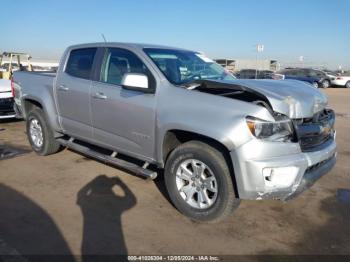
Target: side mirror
136	82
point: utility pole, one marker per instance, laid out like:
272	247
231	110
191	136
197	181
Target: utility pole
301	60
259	49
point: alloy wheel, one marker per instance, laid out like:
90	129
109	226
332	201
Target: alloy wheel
196	184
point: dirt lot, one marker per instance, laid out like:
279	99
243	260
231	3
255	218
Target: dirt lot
69	204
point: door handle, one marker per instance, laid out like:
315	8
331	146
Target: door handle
100	95
63	88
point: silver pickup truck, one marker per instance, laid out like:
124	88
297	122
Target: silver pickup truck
146	108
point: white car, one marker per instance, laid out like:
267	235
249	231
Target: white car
6	100
342	81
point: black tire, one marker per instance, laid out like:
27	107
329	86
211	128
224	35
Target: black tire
326	84
316	84
226	201
347	85
49	145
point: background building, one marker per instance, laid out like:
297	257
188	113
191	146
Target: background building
234	65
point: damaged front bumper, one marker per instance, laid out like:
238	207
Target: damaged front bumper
279	171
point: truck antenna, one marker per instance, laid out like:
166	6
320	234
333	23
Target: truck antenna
104	39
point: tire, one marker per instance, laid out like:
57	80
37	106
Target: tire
315	84
347	85
219	205
38	130
326	84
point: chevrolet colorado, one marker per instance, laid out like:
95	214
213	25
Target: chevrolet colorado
147	107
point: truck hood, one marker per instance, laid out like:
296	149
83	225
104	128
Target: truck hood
292	98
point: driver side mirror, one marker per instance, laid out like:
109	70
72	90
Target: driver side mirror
136	82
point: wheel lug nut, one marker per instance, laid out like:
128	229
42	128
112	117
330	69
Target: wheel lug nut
193	184
202	186
197	188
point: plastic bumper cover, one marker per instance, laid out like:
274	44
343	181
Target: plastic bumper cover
290	174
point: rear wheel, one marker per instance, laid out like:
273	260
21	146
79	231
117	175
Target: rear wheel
347	85
39	134
199	182
325	84
315	84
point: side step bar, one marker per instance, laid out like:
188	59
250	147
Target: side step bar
111	159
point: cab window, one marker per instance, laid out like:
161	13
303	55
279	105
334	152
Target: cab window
118	62
80	62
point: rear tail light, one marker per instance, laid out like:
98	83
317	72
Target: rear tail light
339	78
12	88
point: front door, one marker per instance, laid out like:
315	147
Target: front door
123	119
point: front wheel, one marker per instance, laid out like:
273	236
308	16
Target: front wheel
199	182
39	134
347	85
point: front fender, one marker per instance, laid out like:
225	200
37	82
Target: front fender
219	118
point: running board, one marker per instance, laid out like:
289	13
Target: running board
111	159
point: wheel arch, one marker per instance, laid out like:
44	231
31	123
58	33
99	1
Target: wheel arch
29	103
176	137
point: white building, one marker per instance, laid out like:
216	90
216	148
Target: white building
239	64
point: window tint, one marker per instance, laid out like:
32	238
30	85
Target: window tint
320	74
300	73
291	72
80	62
182	67
118	62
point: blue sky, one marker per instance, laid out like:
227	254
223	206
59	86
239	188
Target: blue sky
317	29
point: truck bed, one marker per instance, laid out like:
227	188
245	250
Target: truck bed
33	81
33	84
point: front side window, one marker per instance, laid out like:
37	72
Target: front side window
80	62
293	73
181	67
310	73
320	74
118	62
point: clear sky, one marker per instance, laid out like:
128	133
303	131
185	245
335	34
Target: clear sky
319	30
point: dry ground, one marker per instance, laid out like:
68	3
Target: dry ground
69	204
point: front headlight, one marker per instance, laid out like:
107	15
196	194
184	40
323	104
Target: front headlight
279	131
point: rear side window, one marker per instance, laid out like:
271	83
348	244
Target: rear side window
80	62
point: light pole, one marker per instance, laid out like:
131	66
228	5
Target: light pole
301	60
259	49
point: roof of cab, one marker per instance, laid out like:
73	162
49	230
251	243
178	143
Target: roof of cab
122	44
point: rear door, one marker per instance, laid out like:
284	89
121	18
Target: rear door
123	119
73	88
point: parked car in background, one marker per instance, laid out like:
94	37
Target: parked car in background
253	74
331	74
342	80
8	108
315	77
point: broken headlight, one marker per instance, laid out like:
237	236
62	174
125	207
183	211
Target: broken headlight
279	130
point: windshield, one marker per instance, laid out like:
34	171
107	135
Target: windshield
181	67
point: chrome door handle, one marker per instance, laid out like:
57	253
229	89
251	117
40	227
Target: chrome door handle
63	88
99	95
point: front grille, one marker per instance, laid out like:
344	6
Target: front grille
316	131
6	105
